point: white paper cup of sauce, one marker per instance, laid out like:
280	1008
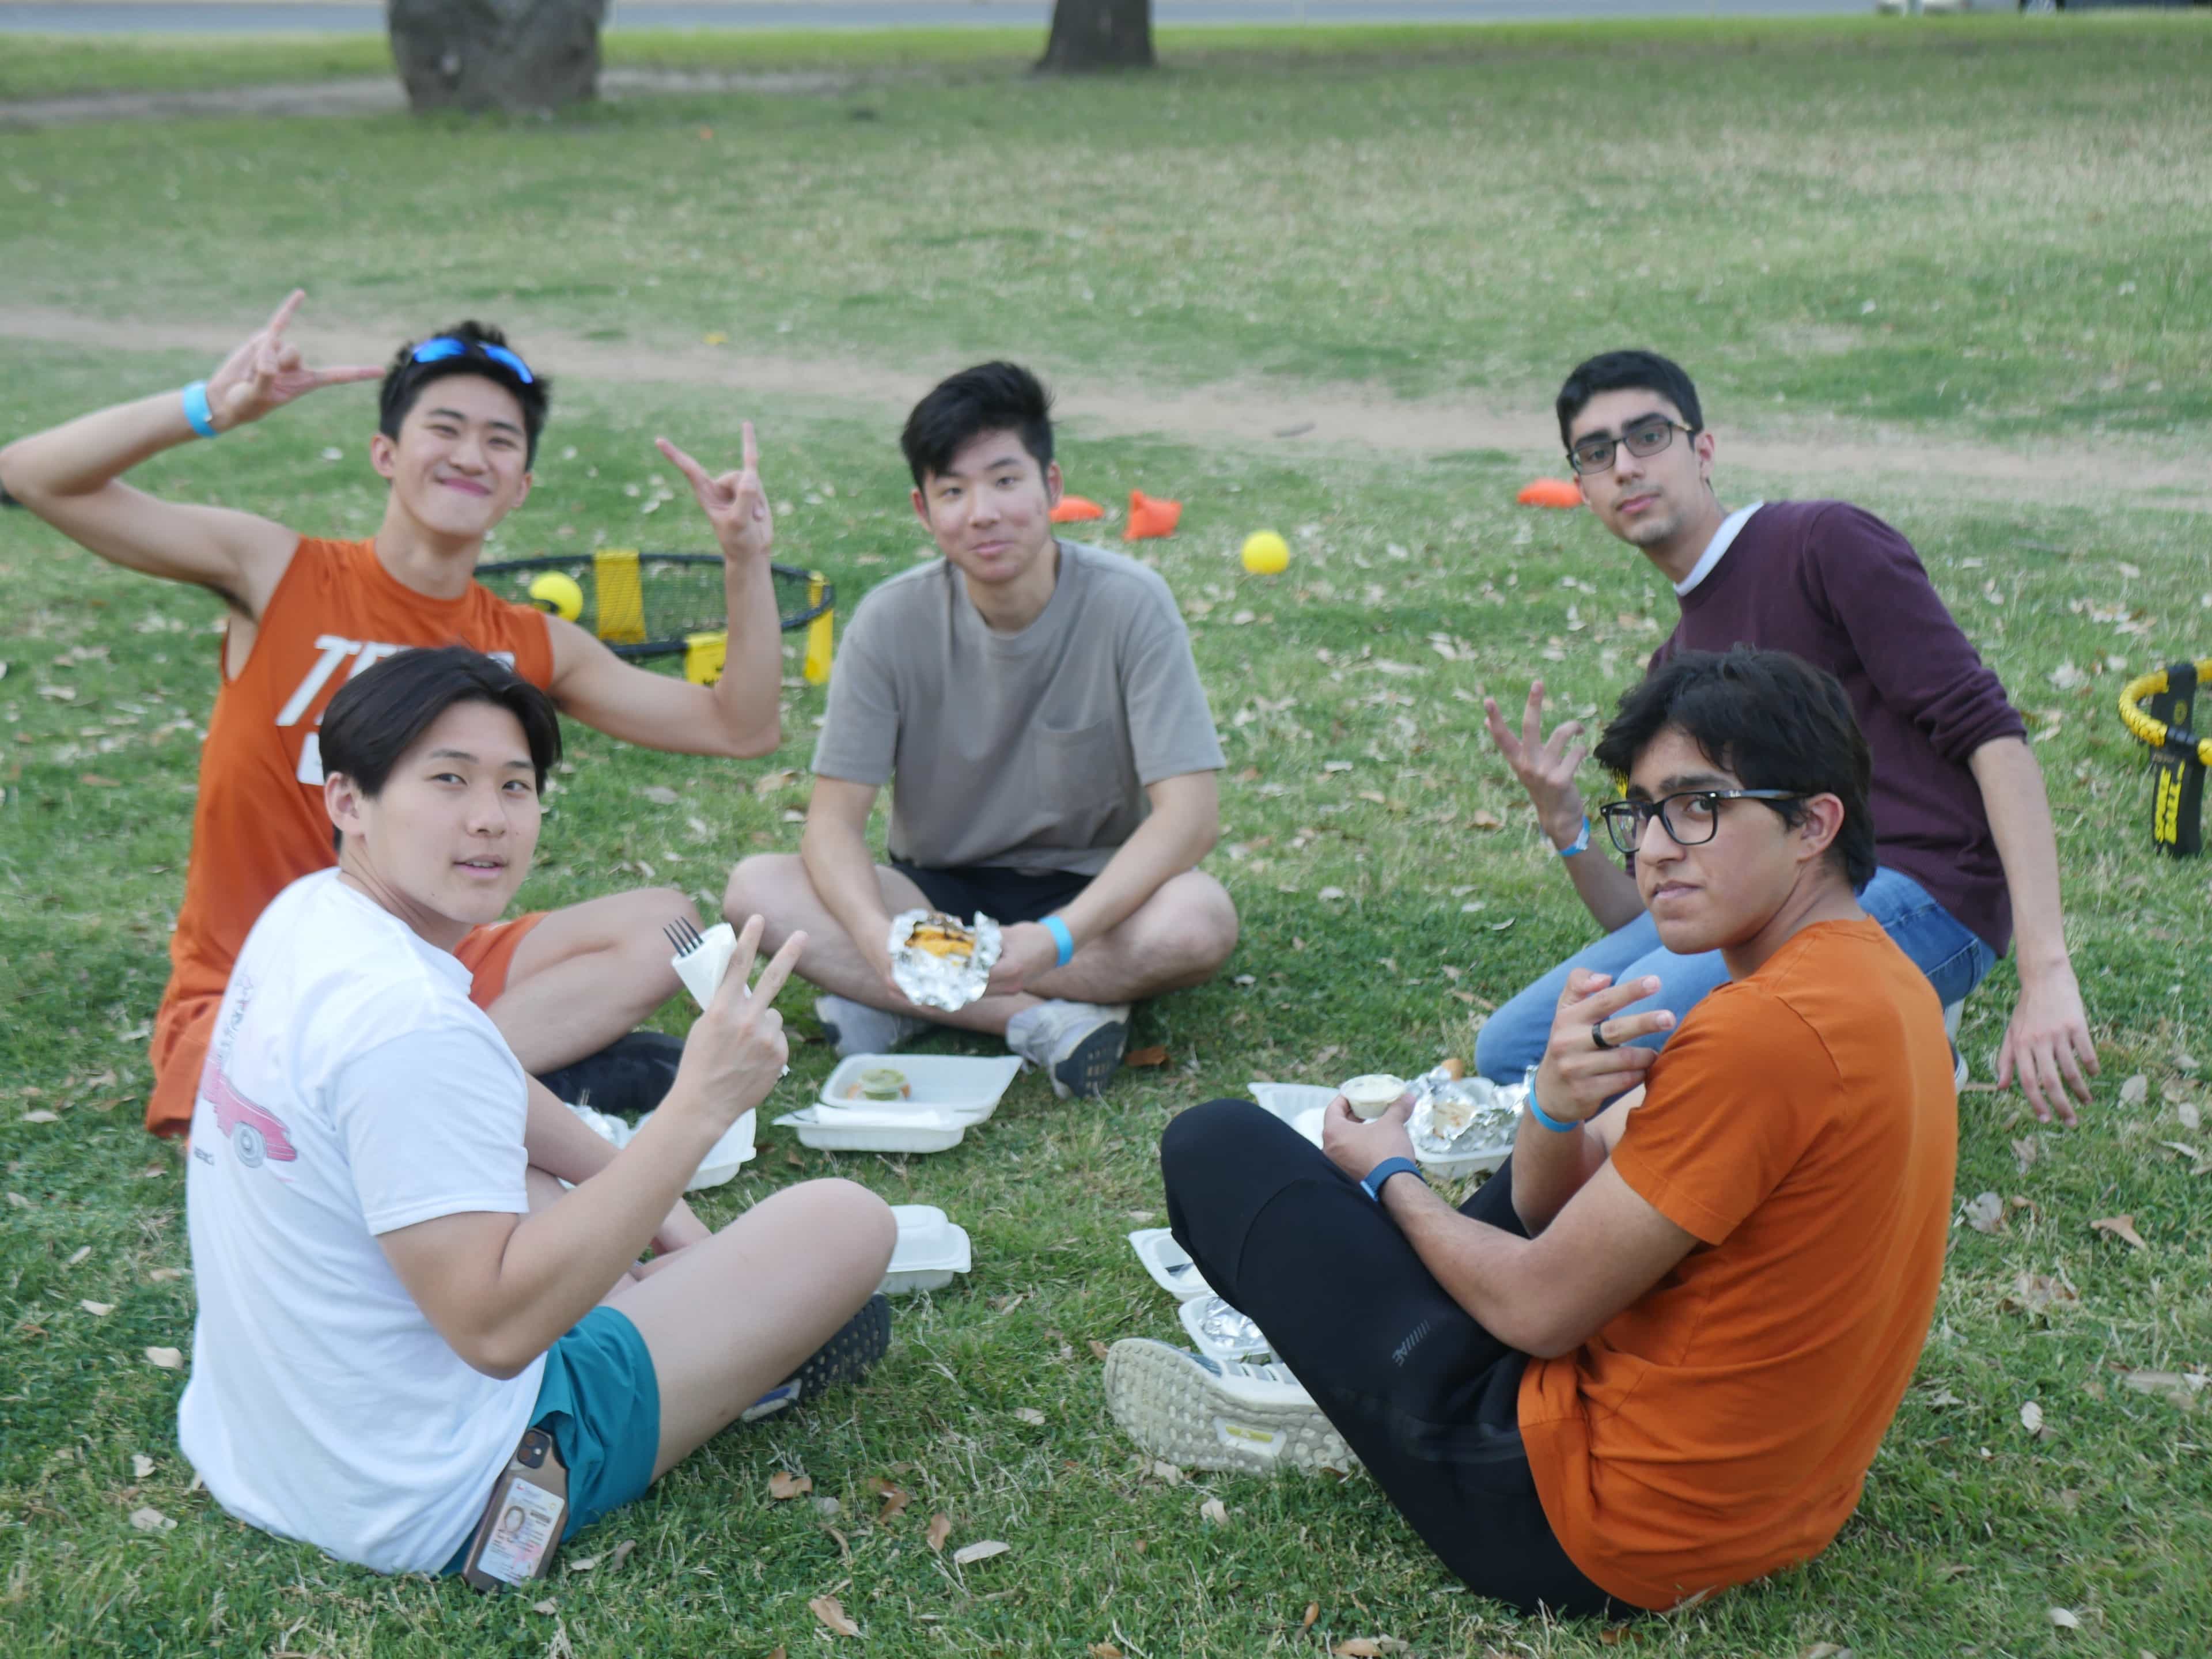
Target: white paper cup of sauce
1371	1096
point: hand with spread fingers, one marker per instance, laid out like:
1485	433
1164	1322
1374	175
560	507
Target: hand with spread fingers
737	1051
1356	1145
1588	1061
2048	1045
1545	767
268	371
735	503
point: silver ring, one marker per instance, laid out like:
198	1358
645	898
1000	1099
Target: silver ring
1597	1037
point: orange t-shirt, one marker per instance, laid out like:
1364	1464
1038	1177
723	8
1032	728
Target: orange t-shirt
1803	1126
260	823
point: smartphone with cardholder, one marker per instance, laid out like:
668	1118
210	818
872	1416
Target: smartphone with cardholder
521	1527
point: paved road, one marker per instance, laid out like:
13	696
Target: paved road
344	16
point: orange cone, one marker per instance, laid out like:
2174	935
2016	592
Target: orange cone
1151	517
1073	507
1550	492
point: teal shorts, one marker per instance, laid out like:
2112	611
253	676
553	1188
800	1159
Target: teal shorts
601	1403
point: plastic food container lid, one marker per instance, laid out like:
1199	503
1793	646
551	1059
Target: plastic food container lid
875	1130
723	1160
1168	1263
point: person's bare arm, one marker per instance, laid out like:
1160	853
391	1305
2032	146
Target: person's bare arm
503	1288
2047	1040
1183	825
71	475
1573	1083
835	849
741	715
1546	1295
563	1145
1546	771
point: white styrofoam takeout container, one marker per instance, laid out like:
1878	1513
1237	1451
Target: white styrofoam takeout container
931	1249
1168	1263
723	1160
879	1128
964	1086
1301	1106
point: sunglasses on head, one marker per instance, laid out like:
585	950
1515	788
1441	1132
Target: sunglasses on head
445	346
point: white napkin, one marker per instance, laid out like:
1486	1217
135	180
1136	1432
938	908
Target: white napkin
701	970
863	1117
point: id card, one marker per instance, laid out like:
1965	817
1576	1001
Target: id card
521	1525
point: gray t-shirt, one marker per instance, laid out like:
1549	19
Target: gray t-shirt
1027	750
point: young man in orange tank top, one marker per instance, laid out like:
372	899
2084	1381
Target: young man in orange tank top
459	419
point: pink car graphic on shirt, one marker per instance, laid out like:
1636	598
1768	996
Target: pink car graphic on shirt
258	1136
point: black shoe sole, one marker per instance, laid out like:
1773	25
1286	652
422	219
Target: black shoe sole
848	1357
1090	1066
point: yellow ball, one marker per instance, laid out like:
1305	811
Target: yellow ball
551	590
1267	554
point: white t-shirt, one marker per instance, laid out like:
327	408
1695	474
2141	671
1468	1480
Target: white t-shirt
1715	549
351	1089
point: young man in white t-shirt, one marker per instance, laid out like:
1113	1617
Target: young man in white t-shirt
1035	707
393	1284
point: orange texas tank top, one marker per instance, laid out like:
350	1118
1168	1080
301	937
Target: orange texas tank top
260	823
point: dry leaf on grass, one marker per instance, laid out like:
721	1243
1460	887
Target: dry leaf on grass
141	1466
2031	1418
581	1563
77	1255
1098	1348
2025	1149
163	1275
2121	1227
1030	1415
660	794
1313	1612
168	1358
1155	1055
42	1116
1215	1511
982	1550
2133	1092
621	1552
152	1521
2176	1387
2036	1293
831	1612
1985	1213
546	1607
1368	1647
2065	1618
896	1498
2190	1116
1103	1650
940	1528
1825	1651
784	1484
98	1309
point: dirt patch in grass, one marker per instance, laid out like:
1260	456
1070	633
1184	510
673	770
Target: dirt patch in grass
1283	417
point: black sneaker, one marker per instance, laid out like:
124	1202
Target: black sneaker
845	1357
628	1076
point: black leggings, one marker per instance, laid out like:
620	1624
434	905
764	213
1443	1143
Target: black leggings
1428	1398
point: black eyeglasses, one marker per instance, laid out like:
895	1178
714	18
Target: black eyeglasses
1692	817
445	345
1594	453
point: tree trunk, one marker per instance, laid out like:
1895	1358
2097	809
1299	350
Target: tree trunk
1098	34
526	56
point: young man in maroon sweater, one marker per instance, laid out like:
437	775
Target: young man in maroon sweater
1962	826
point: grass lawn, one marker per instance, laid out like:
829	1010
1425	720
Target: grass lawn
1443	217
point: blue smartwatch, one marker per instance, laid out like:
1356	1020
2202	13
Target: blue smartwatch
1390	1166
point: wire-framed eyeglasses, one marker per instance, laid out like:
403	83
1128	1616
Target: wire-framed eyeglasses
1693	818
1646	437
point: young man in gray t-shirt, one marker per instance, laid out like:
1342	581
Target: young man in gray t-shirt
1034	706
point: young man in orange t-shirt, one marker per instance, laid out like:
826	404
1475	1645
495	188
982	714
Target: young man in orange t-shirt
1653	1356
459	418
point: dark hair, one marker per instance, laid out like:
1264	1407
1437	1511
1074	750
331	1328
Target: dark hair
1628	371
405	380
1773	720
383	712
989	397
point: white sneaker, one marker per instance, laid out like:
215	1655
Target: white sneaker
1076	1044
1201	1413
855	1028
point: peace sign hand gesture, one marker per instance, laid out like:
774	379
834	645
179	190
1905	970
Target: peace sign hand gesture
1547	769
267	372
734	503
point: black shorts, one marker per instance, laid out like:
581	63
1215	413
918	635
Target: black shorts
1004	896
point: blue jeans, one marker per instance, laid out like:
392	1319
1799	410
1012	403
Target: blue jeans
1954	958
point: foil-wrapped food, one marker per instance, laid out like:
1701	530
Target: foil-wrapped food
1460	1116
939	961
1227	1327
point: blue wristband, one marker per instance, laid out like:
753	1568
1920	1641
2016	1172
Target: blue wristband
1380	1174
1061	937
198	412
1543	1116
1580	843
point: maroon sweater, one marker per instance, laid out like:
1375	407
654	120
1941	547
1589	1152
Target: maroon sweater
1838	587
